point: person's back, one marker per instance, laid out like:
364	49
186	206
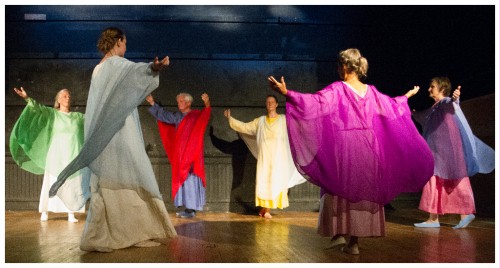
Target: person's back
347	138
116	165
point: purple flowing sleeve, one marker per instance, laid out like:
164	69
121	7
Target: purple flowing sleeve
479	157
457	152
357	148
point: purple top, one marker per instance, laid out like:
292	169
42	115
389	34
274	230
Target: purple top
359	148
457	152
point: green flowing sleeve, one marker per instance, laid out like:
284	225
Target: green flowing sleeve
31	136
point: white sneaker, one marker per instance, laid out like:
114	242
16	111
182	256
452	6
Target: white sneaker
340	241
44	217
71	217
353	250
465	222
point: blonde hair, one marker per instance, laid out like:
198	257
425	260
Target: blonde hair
443	83
108	39
353	61
56	102
187	97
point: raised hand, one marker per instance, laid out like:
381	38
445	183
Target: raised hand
279	87
160	65
21	92
227	113
150	100
456	93
206	99
412	92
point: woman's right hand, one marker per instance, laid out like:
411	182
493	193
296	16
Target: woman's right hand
227	113
150	100
21	92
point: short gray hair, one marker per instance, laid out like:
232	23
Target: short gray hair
187	97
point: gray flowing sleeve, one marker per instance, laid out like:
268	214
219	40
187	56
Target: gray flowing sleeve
115	92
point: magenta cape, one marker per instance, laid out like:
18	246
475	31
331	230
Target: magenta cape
357	148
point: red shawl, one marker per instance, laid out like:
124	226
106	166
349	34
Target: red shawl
184	146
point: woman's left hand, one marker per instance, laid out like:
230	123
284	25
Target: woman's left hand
456	93
160	65
278	86
206	99
412	92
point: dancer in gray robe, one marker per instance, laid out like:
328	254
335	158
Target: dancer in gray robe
126	208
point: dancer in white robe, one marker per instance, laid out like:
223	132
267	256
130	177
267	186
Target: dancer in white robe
267	139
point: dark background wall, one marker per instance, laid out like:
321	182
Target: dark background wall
228	51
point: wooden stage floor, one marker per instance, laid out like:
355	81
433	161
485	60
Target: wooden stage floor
289	237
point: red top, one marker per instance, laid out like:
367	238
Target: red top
184	146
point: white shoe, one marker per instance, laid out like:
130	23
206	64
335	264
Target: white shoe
465	222
147	244
340	241
44	217
71	217
353	250
427	225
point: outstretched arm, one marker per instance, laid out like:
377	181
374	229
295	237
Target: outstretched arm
30	102
412	92
161	114
249	128
160	65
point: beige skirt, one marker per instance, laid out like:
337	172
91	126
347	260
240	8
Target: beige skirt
338	216
121	218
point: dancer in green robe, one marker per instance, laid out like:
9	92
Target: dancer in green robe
44	140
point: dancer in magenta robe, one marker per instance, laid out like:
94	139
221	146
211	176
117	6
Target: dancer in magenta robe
359	145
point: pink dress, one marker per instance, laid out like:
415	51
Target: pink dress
458	155
441	196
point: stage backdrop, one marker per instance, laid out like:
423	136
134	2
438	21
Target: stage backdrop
228	52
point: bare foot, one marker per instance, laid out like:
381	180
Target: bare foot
262	212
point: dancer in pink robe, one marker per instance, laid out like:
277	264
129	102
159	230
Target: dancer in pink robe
458	155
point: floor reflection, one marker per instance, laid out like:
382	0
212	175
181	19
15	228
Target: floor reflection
289	237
